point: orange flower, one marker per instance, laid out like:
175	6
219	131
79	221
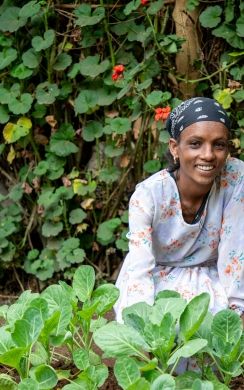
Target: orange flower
162	113
144	2
118	72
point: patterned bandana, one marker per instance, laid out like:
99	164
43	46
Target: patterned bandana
194	110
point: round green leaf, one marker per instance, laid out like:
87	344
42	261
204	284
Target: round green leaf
120	125
154	98
46	93
92	130
109	175
31	59
30	9
51	229
40	43
10	19
90	66
210	17
85	16
4	116
113	151
21	72
7	56
85	101
63	148
62	62
77	216
20	105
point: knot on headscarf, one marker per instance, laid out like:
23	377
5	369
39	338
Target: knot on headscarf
194	110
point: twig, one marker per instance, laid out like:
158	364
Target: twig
28	228
10	178
18	279
8	296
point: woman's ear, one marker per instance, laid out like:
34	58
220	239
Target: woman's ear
173	147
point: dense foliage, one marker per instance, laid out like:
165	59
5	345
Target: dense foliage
63	322
85	90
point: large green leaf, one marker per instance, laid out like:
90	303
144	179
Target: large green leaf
58	301
90	66
21	104
10	19
45	376
63	148
163	382
141	309
227	326
12	357
81	358
193	315
120	340
83	282
85	101
46	93
140	384
30	9
106	295
51	229
21	72
6	342
85	16
7	383
92	131
126	372
210	17
31	59
174	306
109	175
189	349
62	62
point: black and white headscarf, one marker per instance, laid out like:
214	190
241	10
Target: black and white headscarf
194	110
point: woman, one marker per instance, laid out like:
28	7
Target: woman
187	222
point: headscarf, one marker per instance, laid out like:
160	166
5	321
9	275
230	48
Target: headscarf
194	110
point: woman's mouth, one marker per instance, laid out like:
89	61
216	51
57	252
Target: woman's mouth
205	168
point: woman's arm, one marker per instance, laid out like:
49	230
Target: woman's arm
135	280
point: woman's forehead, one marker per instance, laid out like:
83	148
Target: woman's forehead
206	129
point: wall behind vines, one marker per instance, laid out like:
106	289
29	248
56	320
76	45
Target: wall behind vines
85	90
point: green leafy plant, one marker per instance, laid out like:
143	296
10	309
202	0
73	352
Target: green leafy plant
37	325
153	339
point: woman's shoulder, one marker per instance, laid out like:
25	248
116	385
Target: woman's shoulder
233	173
159	176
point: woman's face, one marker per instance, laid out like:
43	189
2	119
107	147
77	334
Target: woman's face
202	151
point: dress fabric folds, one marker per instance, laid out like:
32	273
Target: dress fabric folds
167	253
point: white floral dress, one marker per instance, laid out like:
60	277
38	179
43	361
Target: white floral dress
167	253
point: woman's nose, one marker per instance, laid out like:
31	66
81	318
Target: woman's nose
208	153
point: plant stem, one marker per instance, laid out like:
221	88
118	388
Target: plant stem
108	36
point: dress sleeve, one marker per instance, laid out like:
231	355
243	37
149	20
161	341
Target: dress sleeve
231	249
135	280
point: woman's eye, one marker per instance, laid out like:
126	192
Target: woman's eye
194	144
220	145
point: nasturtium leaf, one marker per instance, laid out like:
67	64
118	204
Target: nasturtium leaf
28	384
155	7
131	6
62	62
120	125
164	381
154	98
227	326
30	9
210	17
111	150
105	232
152	166
4	116
7	383
63	148
20	105
83	282
106	295
92	130
51	229
85	16
21	71
76	216
109	175
189	349
12	132
85	101
91	67
7	55
39	43
126	371
46	93
31	59
81	358
239	95
10	20
193	315
105	97
119	340
45	376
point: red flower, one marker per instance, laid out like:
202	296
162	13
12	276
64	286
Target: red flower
118	72
162	113
144	2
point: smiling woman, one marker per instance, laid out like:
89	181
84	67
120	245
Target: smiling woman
185	221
